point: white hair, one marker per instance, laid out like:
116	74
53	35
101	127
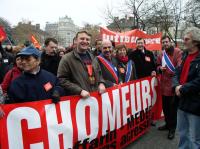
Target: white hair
105	41
195	33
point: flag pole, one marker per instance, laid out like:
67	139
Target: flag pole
9	41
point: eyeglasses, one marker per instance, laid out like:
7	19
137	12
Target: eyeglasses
107	48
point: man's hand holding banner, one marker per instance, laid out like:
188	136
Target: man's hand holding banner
111	120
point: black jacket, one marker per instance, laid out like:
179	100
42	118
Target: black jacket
34	87
50	63
96	52
190	91
144	62
6	62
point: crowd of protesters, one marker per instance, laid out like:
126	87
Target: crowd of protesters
27	74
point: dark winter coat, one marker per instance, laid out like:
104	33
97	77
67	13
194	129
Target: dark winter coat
50	63
33	87
190	91
144	62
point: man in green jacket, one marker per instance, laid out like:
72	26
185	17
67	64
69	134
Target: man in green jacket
79	73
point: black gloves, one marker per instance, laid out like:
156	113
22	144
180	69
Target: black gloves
55	96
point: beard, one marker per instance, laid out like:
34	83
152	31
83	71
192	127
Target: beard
169	48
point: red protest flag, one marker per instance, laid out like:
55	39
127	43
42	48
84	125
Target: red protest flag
2	34
35	42
129	38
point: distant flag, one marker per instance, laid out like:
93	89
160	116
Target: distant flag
2	34
9	41
35	42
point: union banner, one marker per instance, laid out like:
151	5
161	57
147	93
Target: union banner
111	120
152	42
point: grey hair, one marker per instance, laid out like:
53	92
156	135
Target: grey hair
105	40
195	32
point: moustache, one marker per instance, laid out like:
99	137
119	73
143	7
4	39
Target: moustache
106	52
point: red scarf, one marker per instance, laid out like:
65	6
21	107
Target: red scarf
123	59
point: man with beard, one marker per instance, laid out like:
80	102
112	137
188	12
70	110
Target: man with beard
108	64
144	60
186	83
167	61
79	73
50	59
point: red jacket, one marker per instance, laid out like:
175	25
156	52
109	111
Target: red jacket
9	77
175	56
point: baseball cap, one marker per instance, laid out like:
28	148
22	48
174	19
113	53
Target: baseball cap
30	51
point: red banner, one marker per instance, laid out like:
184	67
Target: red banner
2	34
153	42
35	42
111	120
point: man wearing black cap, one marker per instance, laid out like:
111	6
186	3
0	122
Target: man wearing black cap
35	83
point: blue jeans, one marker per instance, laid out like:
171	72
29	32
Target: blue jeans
188	126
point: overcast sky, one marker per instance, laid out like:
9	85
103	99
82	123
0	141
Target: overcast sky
42	11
